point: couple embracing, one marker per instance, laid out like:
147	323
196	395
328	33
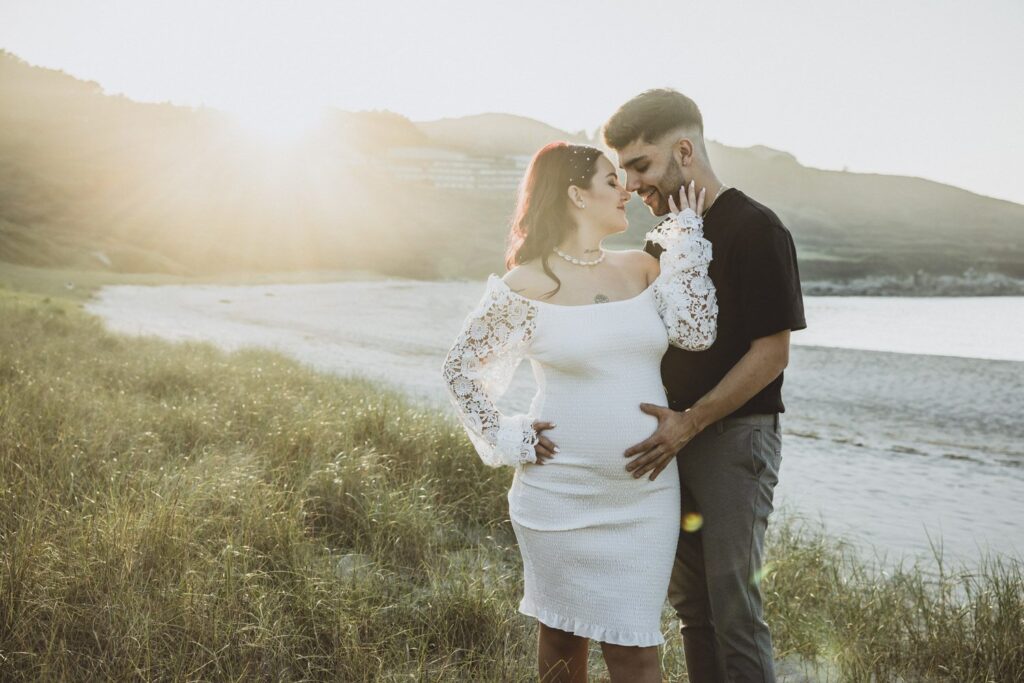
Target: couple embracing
646	464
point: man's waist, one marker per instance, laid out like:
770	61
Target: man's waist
757	419
766	402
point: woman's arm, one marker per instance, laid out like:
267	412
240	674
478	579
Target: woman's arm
683	290
477	370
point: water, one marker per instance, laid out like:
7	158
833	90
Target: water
904	420
971	327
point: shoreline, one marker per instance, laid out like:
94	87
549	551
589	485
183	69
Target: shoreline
874	439
969	283
893	285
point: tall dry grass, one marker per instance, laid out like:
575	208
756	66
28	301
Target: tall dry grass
173	512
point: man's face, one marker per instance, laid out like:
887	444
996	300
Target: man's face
653	172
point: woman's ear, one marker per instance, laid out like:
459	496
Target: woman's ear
575	196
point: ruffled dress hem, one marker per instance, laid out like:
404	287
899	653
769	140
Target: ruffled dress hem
598	633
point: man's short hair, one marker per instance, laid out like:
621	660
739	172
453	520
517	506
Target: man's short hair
650	115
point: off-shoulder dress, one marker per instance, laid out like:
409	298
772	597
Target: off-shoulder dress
597	544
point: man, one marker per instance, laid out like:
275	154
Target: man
722	422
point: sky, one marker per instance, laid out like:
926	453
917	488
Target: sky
922	88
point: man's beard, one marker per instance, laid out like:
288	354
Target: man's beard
668	186
670	183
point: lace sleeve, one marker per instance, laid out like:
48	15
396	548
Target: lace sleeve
478	369
683	291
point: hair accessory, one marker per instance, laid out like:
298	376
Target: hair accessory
581	159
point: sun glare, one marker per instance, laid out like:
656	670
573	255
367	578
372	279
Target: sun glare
278	123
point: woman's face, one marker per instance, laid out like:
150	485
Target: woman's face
606	199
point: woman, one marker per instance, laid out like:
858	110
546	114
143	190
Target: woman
597	543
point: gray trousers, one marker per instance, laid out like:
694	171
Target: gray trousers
727	476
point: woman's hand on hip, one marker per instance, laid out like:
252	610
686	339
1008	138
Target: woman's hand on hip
545	448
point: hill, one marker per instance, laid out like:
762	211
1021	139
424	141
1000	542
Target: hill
91	180
845	224
495	134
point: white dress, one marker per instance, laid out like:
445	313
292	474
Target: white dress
597	544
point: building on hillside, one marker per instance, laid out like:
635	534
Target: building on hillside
455	170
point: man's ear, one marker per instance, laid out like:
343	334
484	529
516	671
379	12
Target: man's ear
682	150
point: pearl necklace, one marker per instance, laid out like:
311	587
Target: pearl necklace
579	262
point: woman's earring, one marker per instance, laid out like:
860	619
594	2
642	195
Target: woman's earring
582	205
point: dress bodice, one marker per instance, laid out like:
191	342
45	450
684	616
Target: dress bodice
576	350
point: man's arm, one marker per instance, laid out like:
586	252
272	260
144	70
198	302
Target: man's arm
765	360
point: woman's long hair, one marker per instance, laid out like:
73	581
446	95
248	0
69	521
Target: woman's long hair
542	219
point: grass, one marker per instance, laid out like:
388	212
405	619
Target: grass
175	512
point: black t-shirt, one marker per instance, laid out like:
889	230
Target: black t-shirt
757	284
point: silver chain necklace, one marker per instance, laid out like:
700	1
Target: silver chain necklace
717	195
